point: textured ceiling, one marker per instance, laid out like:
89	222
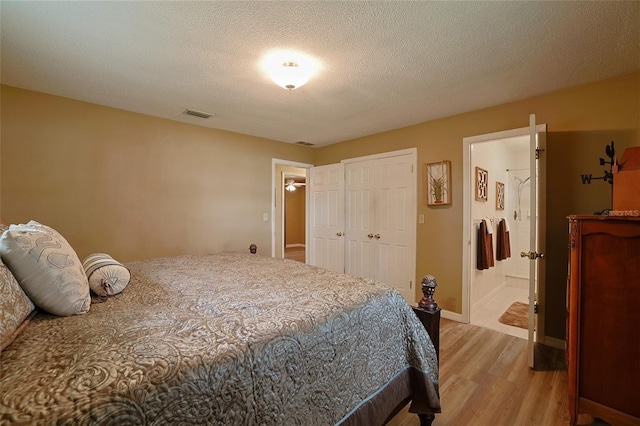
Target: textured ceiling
384	65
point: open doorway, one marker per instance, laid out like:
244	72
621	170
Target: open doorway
497	165
294	215
499	294
282	172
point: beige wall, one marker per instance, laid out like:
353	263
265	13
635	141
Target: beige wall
137	186
132	185
581	121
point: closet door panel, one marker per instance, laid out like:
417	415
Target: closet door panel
359	226
394	213
326	217
360	259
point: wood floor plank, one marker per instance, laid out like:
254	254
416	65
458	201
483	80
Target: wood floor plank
511	349
485	380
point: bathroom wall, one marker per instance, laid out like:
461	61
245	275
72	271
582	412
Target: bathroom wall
518	212
496	157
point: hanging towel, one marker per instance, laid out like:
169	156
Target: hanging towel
485	247
488	238
503	246
507	238
481	262
500	254
489	225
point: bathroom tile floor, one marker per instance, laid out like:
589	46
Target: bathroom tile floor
487	314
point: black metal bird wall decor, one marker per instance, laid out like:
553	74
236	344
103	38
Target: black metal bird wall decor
610	151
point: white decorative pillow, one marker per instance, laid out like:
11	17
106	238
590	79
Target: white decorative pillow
47	268
106	275
15	306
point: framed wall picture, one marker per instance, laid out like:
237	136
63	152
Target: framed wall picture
482	181
438	183
499	196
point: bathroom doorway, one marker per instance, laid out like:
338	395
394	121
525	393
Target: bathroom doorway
499	295
498	166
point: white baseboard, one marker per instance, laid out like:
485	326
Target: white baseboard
294	245
490	296
553	342
454	316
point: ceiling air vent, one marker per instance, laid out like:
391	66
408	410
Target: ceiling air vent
197	113
303	143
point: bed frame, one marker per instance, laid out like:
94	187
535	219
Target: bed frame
428	313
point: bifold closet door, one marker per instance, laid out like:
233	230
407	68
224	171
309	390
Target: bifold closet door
380	206
394	235
359	220
326	217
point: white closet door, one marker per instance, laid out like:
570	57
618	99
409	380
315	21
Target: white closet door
362	219
394	223
359	222
326	217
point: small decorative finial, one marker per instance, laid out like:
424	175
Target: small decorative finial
429	285
253	248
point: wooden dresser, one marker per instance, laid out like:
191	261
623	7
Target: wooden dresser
603	318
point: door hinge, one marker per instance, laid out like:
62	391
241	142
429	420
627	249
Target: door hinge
410	284
535	307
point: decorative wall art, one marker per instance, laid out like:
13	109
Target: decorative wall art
482	181
438	183
499	196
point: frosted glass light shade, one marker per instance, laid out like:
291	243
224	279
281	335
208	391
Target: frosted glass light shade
290	75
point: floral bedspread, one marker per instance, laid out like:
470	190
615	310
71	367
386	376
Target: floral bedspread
231	338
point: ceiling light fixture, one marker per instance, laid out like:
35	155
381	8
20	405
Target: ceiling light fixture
290	75
289	70
290	187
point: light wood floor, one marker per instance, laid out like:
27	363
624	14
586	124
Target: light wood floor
485	380
294	253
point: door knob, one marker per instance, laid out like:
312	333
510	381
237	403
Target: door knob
339	234
370	236
533	255
377	236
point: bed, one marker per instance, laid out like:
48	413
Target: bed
230	338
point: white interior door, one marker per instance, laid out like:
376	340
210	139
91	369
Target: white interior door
359	231
362	218
537	142
380	226
326	217
394	223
